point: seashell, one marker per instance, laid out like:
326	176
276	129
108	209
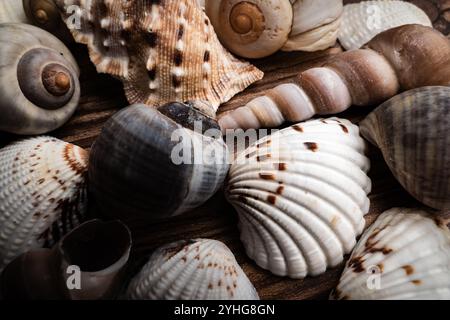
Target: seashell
198	269
39	88
138	156
399	59
42	194
363	21
259	28
12	11
301	196
404	255
159	57
411	131
48	273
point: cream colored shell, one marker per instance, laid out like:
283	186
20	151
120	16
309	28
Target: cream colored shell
301	196
12	11
405	254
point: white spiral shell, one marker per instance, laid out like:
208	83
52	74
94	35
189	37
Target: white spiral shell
42	194
12	11
301	195
405	254
198	269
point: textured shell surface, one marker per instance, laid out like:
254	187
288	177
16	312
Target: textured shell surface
301	196
12	11
362	21
411	130
198	269
163	51
42	194
407	251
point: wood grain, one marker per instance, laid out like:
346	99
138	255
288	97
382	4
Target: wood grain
102	96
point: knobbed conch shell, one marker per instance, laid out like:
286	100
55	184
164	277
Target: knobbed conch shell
42	194
258	28
163	51
411	130
402	58
97	252
363	21
198	269
404	255
39	88
140	169
301	196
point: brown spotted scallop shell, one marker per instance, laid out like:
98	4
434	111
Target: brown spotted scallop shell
163	50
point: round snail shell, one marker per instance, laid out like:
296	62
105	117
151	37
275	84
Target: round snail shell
42	194
139	169
301	196
404	255
198	269
411	130
39	87
12	11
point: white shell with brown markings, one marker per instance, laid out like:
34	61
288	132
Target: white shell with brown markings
42	194
405	254
301	195
198	269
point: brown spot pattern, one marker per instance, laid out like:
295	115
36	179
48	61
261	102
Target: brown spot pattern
267	176
311	146
272	199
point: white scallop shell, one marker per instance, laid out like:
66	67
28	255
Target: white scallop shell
363	21
199	269
405	254
301	195
42	194
12	11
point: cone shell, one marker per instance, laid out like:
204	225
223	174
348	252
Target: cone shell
12	11
363	21
405	254
163	51
301	195
199	269
42	194
411	130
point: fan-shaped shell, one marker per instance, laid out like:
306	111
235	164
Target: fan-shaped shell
199	269
42	194
405	254
12	11
301	195
363	21
411	130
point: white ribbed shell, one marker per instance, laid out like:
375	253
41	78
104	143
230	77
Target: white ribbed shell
301	208
409	249
42	194
363	21
12	11
199	269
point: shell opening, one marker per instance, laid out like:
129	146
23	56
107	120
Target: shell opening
247	19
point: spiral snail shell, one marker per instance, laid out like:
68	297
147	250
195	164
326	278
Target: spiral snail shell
39	87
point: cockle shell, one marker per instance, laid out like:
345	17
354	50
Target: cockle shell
301	196
198	269
163	51
405	254
12	11
362	21
411	130
42	194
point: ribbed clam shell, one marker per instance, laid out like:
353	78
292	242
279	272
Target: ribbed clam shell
301	195
199	269
408	251
362	21
12	11
411	130
42	194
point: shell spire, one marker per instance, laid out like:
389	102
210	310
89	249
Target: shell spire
398	59
163	51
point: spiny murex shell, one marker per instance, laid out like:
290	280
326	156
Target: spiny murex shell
363	21
405	254
163	51
199	269
411	130
301	195
42	194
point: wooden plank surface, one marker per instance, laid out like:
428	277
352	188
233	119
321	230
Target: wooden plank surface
102	96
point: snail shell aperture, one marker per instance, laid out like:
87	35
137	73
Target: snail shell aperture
39	88
132	173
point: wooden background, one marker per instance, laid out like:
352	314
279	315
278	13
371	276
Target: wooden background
102	96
